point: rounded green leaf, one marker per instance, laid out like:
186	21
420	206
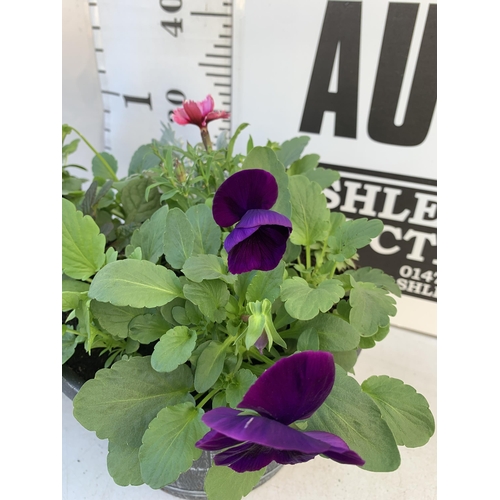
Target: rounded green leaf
82	243
135	283
209	366
223	483
168	446
123	464
406	411
179	238
173	349
207	234
147	328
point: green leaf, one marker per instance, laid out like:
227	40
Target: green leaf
346	359
69	343
266	284
306	163
308	340
291	150
114	319
135	283
303	302
150	236
179	238
173	349
369	342
120	402
147	328
325	177
72	292
100	170
406	411
310	215
376	276
123	464
144	158
352	415
209	366
168	447
210	296
238	386
265	158
207	234
133	198
334	333
352	235
207	267
82	243
223	483
370	308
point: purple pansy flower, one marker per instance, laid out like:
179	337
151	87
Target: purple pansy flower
290	390
259	239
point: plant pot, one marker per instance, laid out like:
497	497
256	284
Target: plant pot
189	485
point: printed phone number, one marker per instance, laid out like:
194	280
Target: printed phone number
414	280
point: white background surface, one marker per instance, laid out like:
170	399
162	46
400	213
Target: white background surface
409	356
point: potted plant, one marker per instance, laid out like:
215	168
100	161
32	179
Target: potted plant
225	305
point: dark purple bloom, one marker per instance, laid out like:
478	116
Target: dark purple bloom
259	239
290	390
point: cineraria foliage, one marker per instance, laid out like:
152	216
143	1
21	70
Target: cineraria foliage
146	283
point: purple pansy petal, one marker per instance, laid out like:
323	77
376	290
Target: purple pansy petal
243	191
339	449
293	388
287	457
246	457
261	430
261	251
237	235
214	440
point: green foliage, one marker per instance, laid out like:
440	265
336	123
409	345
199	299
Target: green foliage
145	271
168	444
405	410
222	483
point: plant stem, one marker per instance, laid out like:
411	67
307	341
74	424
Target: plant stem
332	272
308	257
104	162
262	358
207	398
205	137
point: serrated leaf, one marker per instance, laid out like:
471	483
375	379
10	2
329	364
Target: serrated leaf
223	483
135	283
370	308
265	158
334	333
72	292
133	198
123	464
178	243
147	328
207	234
120	402
352	415
114	319
238	386
82	243
209	366
100	170
207	267
310	215
352	235
210	296
150	236
144	158
406	411
376	276
303	302
168	447
291	149
266	284
173	349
